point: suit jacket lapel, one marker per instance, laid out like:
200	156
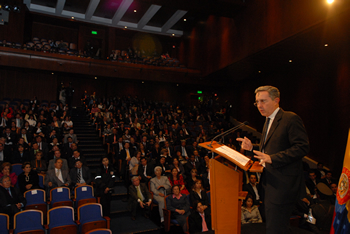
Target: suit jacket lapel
274	125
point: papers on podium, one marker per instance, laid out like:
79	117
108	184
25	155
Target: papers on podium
233	154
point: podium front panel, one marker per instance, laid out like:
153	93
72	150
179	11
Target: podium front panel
225	205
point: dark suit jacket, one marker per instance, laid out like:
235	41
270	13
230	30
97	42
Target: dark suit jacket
17	158
188	167
250	190
6	199
195	222
51	177
286	143
133	192
123	154
149	172
86	175
72	160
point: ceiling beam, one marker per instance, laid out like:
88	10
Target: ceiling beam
152	10
173	20
121	11
91	9
59	6
27	2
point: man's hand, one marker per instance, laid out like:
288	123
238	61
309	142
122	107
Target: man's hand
28	186
161	194
106	190
19	205
264	158
161	186
49	184
246	143
142	204
181	212
148	203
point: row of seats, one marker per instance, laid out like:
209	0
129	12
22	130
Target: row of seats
59	220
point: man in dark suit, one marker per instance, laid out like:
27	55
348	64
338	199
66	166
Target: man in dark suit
192	164
20	156
195	220
11	201
75	158
57	177
52	162
170	149
42	146
139	196
26	136
283	145
253	189
80	174
183	148
145	171
311	183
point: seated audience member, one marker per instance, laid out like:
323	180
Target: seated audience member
6	170
192	179
311	183
50	138
39	164
199	194
179	206
11	200
165	167
125	155
250	213
134	163
176	179
39	130
76	156
53	144
185	152
253	189
145	171
42	146
34	150
328	180
192	164
302	210
25	145
72	135
180	168
334	188
320	172
20	156
105	177
27	137
160	187
5	156
52	162
80	175
57	177
139	197
28	179
200	219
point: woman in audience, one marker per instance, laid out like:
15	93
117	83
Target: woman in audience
164	166
54	143
39	164
38	130
28	179
65	129
134	163
160	187
176	164
126	136
67	121
13	127
156	152
179	206
144	152
176	179
198	193
192	179
250	213
31	121
6	170
182	160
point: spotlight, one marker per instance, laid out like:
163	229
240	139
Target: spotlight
7	7
16	9
330	1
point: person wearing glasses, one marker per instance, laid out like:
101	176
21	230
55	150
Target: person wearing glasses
283	144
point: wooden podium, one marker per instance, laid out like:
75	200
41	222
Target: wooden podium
226	195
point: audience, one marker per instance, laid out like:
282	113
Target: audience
250	213
200	219
28	179
139	197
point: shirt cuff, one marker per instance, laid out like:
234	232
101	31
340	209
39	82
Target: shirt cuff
138	200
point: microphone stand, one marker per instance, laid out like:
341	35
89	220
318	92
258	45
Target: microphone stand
229	131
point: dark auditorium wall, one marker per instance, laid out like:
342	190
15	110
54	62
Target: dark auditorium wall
218	42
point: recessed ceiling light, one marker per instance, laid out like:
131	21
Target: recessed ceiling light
259	71
135	11
95	77
290	61
72	17
143	82
173	46
330	1
185	19
173	34
52	73
325	44
177	84
125	27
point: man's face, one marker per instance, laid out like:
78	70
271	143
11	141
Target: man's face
144	162
200	208
24	131
38	139
329	175
35	146
319	166
265	104
252	179
136	182
334	188
76	154
70	140
312	176
6	183
58	164
57	154
193	158
8	131
183	143
78	164
1	147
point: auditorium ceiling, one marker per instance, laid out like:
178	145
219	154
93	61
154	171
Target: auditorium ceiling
166	17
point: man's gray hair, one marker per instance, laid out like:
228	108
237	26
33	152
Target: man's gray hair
273	91
134	178
4	177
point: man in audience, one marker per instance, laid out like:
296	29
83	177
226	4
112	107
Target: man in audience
253	189
72	135
4	156
328	180
58	176
11	200
80	175
42	146
170	149
52	162
139	197
311	183
192	164
185	152
200	219
145	171
26	136
320	172
76	156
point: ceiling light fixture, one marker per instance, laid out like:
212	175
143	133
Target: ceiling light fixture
326	45
330	1
290	61
135	11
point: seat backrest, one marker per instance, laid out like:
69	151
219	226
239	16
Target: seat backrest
90	211
83	192
4	223
100	231
59	194
41	180
166	199
28	220
17	168
60	216
35	196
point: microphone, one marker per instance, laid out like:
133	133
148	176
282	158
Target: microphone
229	131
